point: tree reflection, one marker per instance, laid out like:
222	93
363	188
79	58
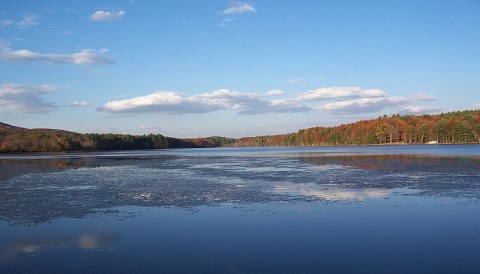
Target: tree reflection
16	167
431	175
400	162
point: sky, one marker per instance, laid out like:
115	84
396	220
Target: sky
195	68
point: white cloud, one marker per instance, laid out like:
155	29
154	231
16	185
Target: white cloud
107	15
343	100
83	57
359	100
279	106
239	7
223	99
359	105
340	92
79	104
274	92
25	98
295	81
275	106
87	57
158	101
419	109
364	105
28	21
422	97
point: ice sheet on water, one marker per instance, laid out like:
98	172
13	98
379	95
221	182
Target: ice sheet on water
79	187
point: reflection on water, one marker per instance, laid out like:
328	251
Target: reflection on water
419	163
11	250
432	175
17	167
331	193
35	191
258	212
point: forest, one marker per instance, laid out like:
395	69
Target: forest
452	127
16	139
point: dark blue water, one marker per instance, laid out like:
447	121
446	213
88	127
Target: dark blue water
380	209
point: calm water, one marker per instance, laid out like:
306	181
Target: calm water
399	209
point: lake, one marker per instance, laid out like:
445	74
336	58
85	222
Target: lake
374	209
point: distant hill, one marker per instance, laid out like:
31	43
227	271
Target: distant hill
7	126
16	139
452	127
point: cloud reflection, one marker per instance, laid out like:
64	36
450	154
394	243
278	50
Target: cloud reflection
10	251
331	194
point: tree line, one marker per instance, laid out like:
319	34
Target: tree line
14	139
452	127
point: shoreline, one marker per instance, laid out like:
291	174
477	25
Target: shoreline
220	147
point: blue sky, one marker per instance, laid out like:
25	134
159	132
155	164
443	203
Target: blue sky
200	68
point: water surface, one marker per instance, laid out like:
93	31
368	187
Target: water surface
243	210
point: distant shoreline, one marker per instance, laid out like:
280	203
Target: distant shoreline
39	153
461	127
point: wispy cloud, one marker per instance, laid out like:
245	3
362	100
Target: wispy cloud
226	22
275	106
83	57
223	99
419	109
274	92
102	15
25	98
359	105
340	92
29	20
79	104
239	7
295	81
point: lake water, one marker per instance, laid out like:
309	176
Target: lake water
380	209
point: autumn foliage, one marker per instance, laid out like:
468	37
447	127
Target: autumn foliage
453	127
